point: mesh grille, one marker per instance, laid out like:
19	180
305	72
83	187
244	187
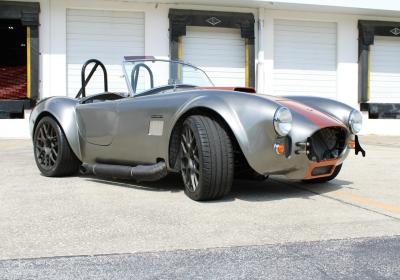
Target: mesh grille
327	143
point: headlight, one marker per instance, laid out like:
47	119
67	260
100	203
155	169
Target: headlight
355	121
283	121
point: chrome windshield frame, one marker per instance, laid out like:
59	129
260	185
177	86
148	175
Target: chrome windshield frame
128	82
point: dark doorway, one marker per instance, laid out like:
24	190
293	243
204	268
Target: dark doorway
13	60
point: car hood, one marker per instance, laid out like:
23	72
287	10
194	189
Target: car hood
318	118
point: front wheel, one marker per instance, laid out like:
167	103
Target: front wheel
206	158
53	155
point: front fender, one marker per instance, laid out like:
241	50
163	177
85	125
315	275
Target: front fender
249	119
63	110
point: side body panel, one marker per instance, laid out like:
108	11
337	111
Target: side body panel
133	142
138	130
98	122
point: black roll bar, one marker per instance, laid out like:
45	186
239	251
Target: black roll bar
85	81
135	76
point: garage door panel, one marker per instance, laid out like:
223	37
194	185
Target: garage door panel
104	35
385	70
302	24
106	14
218	51
230	58
305	58
214	42
305	65
117	20
303	49
93	44
212	51
307	37
96	83
104	48
385	77
101	29
112	38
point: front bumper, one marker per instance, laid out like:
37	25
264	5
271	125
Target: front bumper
316	156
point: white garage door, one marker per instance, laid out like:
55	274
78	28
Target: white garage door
305	58
218	51
104	35
385	70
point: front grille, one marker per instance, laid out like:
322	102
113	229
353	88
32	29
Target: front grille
327	143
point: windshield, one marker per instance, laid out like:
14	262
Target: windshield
143	75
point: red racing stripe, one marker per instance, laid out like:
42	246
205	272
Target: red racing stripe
317	117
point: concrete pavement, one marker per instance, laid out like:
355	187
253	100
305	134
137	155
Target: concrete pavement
48	217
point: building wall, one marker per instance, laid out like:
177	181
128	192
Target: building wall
54	48
347	52
347	60
53	76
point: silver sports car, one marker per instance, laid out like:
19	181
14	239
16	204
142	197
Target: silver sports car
174	120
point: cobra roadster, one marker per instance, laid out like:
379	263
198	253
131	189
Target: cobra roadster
173	119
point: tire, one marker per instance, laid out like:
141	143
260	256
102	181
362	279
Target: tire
326	179
53	156
206	164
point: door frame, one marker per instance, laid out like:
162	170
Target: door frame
179	19
28	13
367	30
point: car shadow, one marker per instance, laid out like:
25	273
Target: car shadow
253	191
277	189
171	183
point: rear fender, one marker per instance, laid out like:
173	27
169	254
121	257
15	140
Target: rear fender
63	110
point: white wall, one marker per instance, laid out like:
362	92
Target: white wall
347	60
52	43
53	48
347	52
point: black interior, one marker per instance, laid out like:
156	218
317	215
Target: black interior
105	96
163	88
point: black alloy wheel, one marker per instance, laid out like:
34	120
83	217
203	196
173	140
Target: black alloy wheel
46	146
190	163
206	161
53	154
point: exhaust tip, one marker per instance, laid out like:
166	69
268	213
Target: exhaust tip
83	169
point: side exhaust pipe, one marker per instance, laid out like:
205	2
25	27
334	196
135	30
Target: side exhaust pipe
139	173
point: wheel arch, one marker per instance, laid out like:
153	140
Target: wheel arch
41	116
173	147
62	110
48	114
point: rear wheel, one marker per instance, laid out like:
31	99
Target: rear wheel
53	155
326	179
206	158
